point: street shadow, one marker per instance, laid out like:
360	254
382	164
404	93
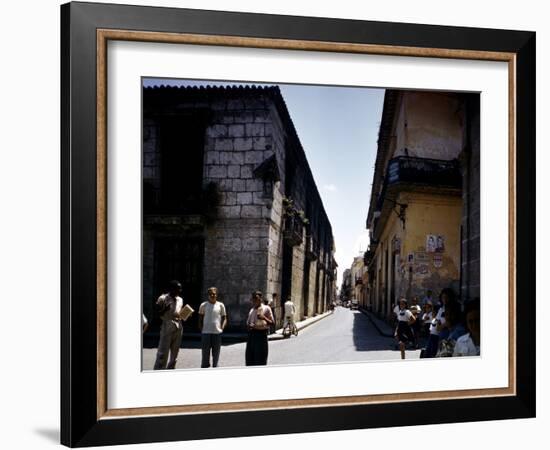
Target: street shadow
50	434
366	337
152	341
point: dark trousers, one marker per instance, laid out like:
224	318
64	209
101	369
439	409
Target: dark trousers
256	348
273	326
210	343
431	346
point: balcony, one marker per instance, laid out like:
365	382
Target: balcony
420	174
406	173
293	231
424	171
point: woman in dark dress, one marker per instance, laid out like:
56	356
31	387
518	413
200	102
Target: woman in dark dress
259	320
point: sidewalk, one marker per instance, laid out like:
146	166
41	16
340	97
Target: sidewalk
300	325
383	327
151	339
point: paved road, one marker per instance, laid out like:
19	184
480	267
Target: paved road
344	336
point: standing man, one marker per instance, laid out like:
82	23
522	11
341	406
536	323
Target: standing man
212	321
290	310
170	306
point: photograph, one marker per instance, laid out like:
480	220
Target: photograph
315	205
294	224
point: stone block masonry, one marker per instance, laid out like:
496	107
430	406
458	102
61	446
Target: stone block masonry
236	253
249	144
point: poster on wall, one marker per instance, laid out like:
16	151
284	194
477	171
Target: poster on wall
435	243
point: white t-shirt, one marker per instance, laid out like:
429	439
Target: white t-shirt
465	346
427	317
440	317
396	310
213	314
290	309
404	315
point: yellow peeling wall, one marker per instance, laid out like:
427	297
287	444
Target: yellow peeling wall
428	125
417	270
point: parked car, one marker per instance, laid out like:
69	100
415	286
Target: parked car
354	304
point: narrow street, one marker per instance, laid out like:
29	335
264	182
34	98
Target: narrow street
344	336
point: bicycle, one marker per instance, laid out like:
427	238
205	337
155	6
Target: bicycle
289	328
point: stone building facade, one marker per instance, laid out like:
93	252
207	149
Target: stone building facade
229	201
424	209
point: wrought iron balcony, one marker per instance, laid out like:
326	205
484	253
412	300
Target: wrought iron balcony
293	231
422	174
434	172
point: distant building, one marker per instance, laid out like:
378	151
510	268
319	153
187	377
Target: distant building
229	201
424	208
357	268
346	289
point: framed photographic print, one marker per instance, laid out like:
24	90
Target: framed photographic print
322	224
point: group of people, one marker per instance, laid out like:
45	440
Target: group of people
212	321
447	327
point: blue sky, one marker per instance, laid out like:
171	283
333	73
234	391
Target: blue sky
338	128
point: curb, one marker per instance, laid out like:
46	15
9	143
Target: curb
375	324
237	337
300	325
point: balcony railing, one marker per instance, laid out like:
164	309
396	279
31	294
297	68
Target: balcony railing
293	230
405	169
420	172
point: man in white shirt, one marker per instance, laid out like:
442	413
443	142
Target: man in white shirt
290	310
170	306
212	321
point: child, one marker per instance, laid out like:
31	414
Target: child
427	318
404	332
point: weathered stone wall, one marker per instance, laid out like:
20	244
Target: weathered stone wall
237	242
151	157
297	292
311	307
149	296
275	250
151	177
243	237
470	162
